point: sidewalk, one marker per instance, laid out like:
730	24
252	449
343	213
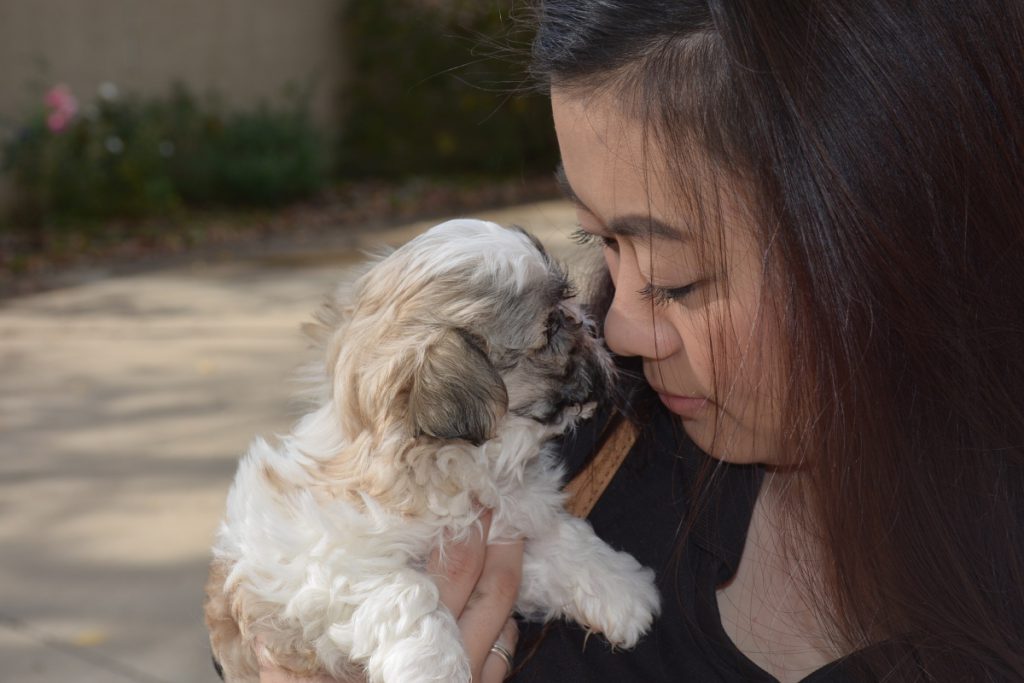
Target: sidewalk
124	406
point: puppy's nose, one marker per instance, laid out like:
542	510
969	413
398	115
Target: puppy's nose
590	381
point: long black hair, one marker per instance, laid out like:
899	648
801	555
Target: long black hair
883	147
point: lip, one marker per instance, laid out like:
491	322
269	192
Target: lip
685	406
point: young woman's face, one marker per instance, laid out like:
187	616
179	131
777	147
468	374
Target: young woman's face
677	315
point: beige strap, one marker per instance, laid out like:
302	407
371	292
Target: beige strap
586	487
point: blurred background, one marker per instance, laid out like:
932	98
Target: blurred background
181	181
152	126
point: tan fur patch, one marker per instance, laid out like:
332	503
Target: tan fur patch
228	617
235	656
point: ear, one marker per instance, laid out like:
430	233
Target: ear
456	392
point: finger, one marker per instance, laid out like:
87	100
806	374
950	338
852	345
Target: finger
463	563
496	669
491	603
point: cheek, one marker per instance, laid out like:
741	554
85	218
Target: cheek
747	343
734	362
719	331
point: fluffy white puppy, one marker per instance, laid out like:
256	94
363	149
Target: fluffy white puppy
454	362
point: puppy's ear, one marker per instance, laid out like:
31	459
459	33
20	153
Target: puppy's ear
456	392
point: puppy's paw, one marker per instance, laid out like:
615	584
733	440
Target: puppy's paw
620	602
433	655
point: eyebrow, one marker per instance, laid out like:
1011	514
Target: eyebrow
632	225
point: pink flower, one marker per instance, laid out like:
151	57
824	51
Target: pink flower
57	121
63	107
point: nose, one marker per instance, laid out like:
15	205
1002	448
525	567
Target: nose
634	326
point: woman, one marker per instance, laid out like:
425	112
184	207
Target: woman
812	217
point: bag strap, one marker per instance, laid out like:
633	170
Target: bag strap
586	488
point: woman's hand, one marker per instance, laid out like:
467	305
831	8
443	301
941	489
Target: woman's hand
478	585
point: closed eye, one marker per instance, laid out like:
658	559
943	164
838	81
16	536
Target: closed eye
662	296
554	326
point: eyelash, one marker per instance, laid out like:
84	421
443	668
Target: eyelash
662	296
581	236
659	296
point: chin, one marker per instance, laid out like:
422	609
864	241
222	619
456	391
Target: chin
730	443
445	372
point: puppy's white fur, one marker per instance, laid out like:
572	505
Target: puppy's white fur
456	361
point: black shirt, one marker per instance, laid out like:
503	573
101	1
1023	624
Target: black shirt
642	512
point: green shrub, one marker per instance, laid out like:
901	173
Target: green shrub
257	158
128	157
431	95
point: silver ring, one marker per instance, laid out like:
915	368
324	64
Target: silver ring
506	656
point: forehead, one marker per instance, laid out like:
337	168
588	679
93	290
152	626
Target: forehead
616	171
637	226
606	159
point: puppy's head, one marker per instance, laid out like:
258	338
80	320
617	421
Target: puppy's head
462	326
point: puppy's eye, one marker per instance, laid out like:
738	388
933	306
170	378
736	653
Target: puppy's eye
554	325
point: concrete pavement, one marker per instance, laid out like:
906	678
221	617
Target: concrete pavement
124	406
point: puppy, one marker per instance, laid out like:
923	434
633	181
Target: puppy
457	359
